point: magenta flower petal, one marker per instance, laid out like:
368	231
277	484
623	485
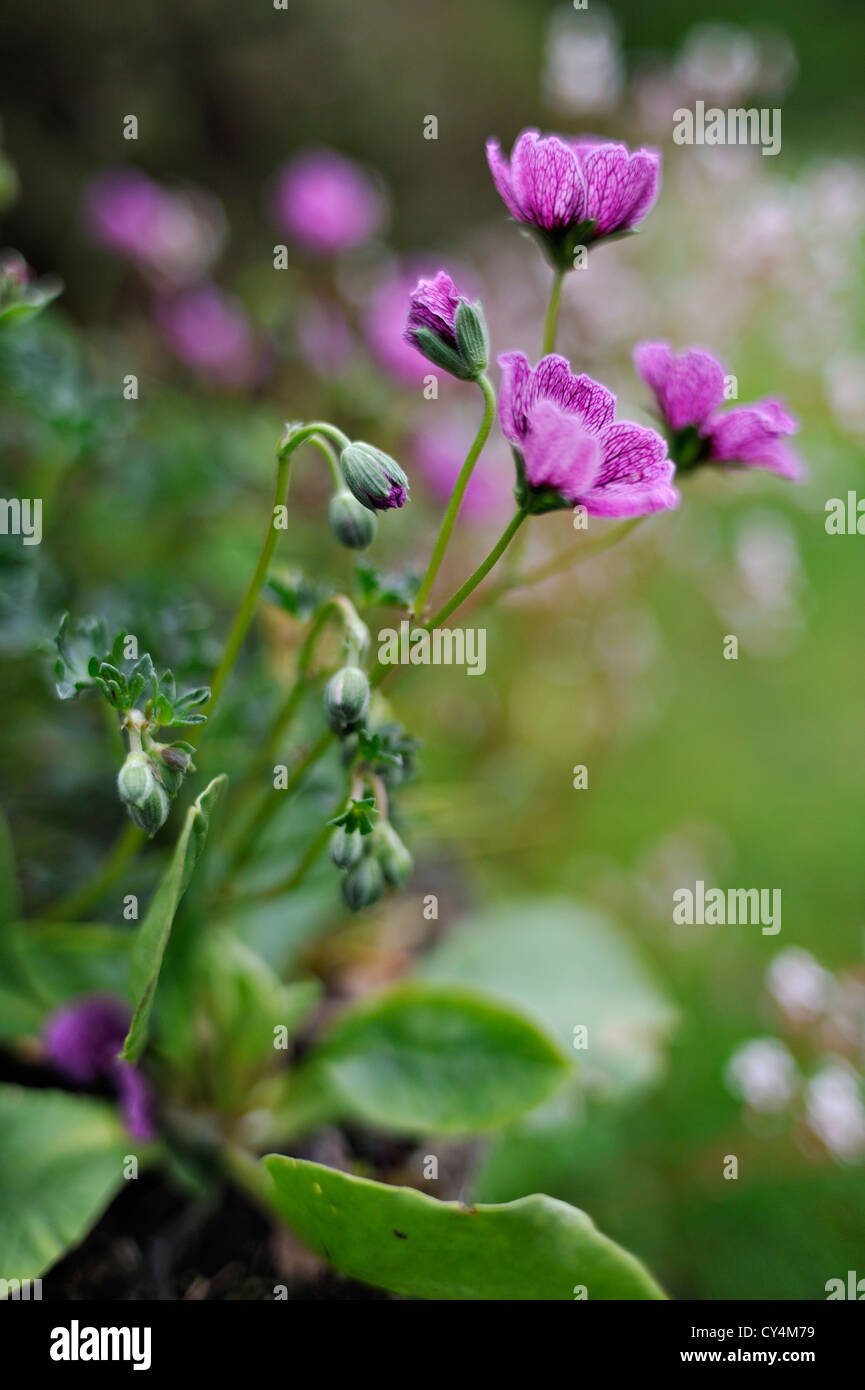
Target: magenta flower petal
433	304
754	434
500	169
653	361
693	389
562	425
548	181
636	476
559	452
620	187
552	379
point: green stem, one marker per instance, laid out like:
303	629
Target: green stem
480	573
456	497
551	321
271	801
566	560
240	626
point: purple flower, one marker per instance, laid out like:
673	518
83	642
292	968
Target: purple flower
327	203
210	333
571	449
555	185
83	1041
449	331
170	236
433	306
689	388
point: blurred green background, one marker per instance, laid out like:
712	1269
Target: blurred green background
743	773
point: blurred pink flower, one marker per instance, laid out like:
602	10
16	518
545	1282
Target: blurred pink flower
384	322
209	331
171	235
439	450
326	202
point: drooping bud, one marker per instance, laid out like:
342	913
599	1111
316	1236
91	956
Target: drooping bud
353	524
346	847
143	796
449	331
363	885
173	762
376	479
395	860
346	699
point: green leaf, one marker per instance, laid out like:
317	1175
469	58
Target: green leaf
61	1162
423	1058
400	1239
566	967
152	937
44	964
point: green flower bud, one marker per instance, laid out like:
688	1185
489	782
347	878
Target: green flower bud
363	885
346	847
346	699
376	479
395	860
472	336
172	762
353	524
143	796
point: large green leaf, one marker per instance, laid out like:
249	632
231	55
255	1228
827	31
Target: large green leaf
61	1162
566	967
48	963
400	1239
423	1058
152	937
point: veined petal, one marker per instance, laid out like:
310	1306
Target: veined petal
500	169
514	395
548	181
559	452
636	475
620	187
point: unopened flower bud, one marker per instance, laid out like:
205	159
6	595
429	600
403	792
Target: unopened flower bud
395	860
376	479
353	524
346	699
363	885
141	793
473	337
173	761
346	847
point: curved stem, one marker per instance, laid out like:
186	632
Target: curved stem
551	321
566	560
241	623
480	573
456	496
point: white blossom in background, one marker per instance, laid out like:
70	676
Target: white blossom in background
583	69
801	988
763	1073
835	1110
